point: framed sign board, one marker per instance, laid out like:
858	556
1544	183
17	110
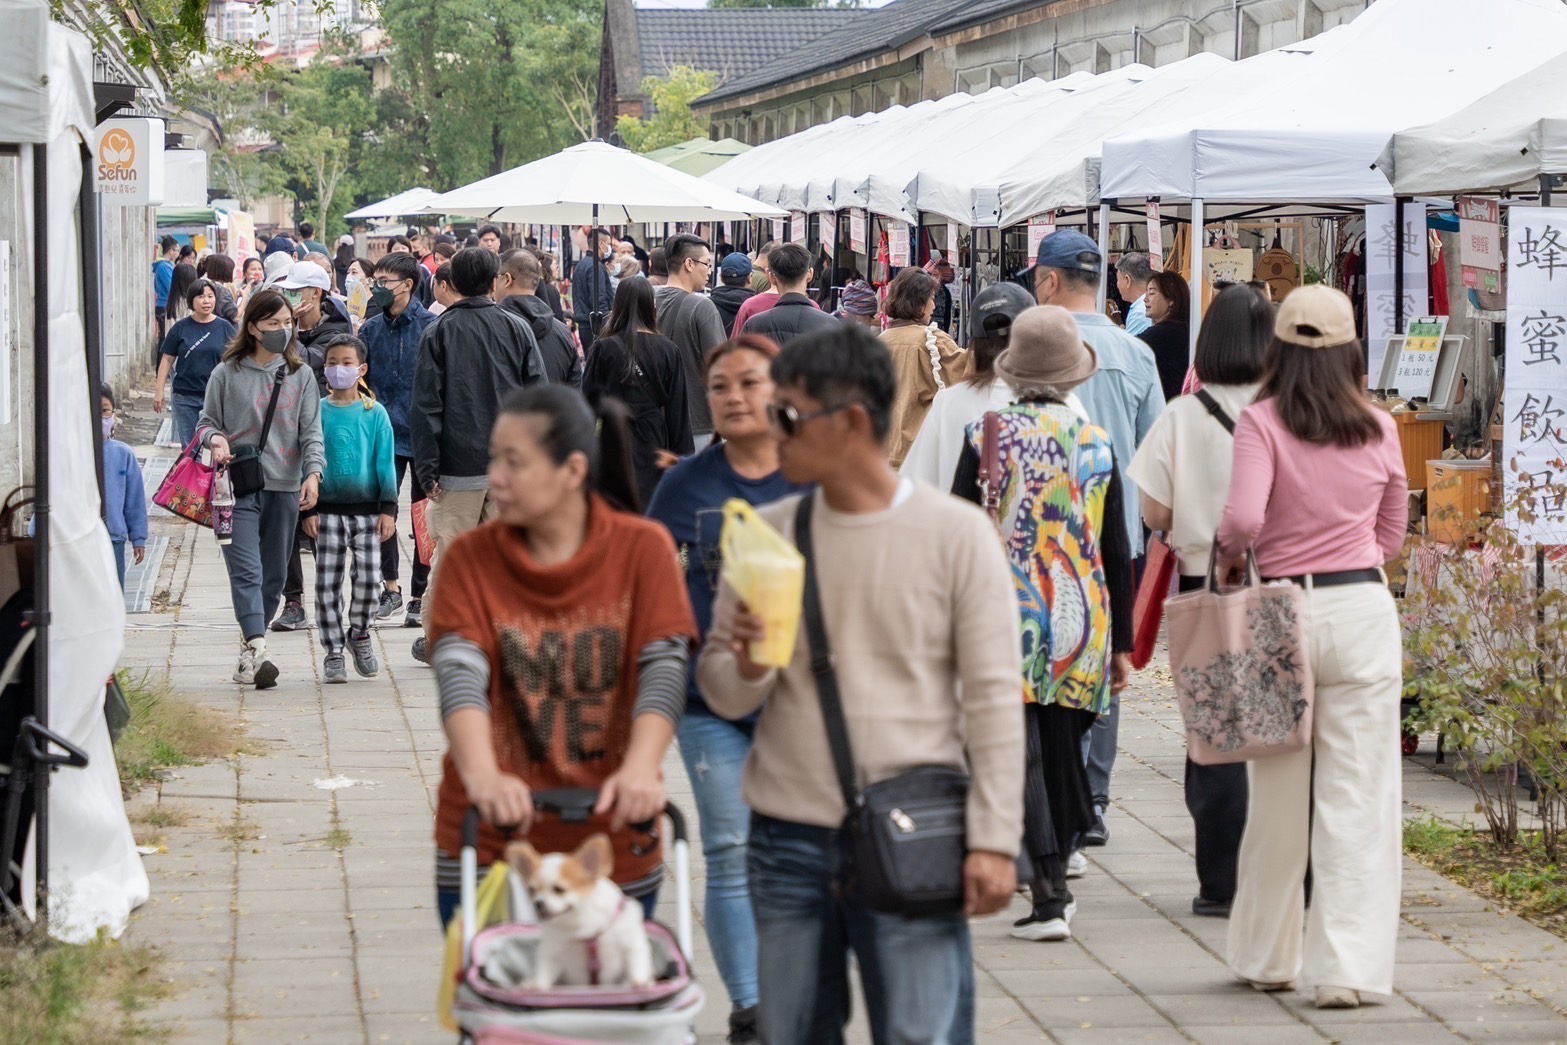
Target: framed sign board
1443	373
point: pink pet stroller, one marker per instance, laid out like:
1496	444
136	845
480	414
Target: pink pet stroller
493	1004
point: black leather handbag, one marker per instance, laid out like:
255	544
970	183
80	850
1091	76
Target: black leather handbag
905	836
245	473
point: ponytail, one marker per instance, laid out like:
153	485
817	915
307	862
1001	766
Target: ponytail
571	426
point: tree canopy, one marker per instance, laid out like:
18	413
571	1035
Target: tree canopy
672	121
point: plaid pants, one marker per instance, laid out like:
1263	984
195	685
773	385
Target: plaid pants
339	535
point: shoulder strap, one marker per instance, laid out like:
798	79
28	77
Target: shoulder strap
822	666
277	386
1216	410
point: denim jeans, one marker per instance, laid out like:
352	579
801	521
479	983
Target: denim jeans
119	560
187	411
714	751
917	973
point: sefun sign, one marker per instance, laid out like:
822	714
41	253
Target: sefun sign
128	162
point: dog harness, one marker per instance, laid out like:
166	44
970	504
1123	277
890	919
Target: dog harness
593	945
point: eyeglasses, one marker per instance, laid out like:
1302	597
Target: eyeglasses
385	284
788	420
705	264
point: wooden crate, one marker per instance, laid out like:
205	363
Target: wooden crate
1458	493
1421	442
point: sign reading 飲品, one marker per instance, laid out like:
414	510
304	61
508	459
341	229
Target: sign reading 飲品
1535	439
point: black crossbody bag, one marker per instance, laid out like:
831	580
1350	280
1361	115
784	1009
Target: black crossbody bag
905	836
245	474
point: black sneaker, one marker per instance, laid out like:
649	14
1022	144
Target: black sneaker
419	651
291	619
413	617
1205	908
742	1027
391	602
1099	834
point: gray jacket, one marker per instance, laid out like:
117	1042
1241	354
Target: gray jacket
236	405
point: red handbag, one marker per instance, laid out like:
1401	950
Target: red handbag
1148	613
187	489
424	540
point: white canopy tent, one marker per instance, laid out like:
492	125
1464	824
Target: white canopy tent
745	173
408	202
95	876
595	182
1316	135
1508	138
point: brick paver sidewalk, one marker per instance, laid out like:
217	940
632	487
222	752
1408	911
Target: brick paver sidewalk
274	935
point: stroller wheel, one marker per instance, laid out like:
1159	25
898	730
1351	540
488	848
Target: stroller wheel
1410	742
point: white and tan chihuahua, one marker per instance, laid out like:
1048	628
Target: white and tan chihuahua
591	933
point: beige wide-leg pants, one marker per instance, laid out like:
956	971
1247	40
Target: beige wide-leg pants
1350	810
457	512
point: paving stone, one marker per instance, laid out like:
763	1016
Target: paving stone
1109	1010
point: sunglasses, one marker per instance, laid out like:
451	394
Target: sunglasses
789	421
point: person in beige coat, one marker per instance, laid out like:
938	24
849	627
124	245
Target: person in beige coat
924	357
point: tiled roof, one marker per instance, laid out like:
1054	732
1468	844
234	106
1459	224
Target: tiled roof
870	32
983	11
730	42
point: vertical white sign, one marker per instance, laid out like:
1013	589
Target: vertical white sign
1038	229
6	337
1155	237
898	244
797	228
1381	255
778	229
857	233
952	243
1535	403
827	232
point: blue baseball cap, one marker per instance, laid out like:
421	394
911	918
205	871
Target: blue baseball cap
1062	249
736	265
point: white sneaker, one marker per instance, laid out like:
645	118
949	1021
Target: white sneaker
1076	865
1053	931
245	671
254	669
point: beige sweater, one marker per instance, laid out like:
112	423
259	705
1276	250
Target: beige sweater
910	347
923	624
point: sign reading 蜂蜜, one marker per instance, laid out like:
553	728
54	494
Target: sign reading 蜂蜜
1536	398
128	162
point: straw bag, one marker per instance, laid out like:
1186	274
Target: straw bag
187	489
1242	673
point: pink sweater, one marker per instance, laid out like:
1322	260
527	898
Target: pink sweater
1313	509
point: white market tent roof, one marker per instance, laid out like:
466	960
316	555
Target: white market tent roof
597	180
1062	173
405	203
1315	136
1508	138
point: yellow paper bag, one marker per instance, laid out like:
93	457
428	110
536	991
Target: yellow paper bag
493	905
769	574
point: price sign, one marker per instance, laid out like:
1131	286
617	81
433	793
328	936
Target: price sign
1417	364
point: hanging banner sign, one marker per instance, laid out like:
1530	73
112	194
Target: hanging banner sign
1480	243
242	237
1535	401
952	243
898	245
797	228
1381	281
857	233
778	229
1038	229
128	162
1155	237
827	233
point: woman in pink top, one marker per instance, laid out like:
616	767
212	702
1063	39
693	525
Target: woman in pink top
1318	491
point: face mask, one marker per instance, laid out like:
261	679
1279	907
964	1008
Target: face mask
108	426
383	297
295	298
342	378
276	341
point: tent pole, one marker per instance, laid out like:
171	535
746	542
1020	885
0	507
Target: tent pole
1104	251
40	615
1545	190
1195	285
593	248
92	312
1398	265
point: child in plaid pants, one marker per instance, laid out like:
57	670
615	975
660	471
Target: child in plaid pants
357	509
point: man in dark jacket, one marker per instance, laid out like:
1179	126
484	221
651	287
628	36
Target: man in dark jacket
516	291
795	314
468	362
392	342
734	276
592	267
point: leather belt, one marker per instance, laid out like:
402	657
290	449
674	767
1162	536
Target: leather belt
1332	580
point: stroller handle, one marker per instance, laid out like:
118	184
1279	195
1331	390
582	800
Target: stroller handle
571	805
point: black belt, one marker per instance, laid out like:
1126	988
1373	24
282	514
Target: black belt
1333	580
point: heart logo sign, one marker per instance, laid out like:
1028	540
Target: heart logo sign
117	156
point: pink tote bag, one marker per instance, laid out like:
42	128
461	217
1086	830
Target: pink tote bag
1241	667
187	489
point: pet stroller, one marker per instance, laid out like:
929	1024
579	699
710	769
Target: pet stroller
492	1005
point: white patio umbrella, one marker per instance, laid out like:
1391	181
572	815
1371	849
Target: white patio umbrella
404	203
595	182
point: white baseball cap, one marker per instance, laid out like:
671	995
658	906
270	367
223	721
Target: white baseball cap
345	240
306	274
277	267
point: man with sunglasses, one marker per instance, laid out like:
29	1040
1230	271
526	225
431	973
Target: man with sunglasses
688	317
392	339
918	604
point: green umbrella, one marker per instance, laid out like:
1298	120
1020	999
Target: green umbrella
699	155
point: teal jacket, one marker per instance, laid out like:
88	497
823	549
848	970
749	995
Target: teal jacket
360	476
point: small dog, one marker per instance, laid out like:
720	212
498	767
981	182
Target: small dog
591	934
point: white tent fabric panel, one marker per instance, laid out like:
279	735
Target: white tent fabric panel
409	202
1063	172
1317	135
96	877
624	188
1508	138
